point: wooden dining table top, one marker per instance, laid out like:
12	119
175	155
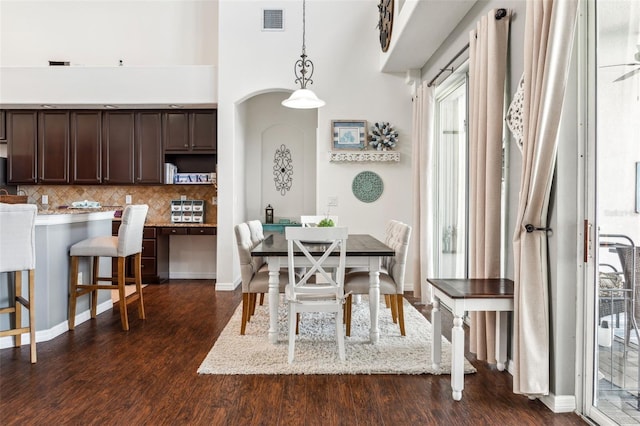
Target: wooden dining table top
357	245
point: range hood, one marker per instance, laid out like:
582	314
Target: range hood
100	87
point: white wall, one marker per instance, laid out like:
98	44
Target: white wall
342	42
101	32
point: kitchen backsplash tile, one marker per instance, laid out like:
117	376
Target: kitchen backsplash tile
158	197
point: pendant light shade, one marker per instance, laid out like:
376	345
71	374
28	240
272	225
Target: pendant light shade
303	98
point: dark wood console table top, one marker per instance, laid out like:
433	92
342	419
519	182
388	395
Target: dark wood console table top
458	288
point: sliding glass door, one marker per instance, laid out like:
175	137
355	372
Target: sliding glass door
450	180
613	194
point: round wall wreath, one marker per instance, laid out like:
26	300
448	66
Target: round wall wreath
383	136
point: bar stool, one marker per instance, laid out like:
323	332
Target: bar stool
17	254
127	243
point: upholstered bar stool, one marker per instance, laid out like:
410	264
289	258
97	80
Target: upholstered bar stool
17	254
127	243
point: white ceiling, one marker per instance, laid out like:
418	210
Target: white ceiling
424	23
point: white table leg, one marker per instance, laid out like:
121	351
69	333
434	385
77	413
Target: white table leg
457	358
274	297
374	298
436	338
501	340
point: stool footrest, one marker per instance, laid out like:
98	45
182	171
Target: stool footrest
14	331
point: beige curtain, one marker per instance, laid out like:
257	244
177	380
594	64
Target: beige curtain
549	29
487	70
422	143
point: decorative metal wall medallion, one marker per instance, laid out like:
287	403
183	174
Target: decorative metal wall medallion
367	187
283	170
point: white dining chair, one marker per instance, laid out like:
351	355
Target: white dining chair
397	235
305	296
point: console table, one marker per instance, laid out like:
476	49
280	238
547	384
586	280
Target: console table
460	295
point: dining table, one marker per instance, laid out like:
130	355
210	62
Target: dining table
363	252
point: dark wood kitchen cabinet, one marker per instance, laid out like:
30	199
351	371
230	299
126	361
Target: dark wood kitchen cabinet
40	139
190	131
118	147
22	136
148	148
3	126
86	140
53	147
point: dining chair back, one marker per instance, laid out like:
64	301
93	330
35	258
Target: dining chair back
313	249
253	269
311	221
18	254
397	236
127	243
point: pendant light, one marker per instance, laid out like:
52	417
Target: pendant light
303	98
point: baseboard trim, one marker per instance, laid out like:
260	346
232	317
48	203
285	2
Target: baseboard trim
559	403
228	286
56	330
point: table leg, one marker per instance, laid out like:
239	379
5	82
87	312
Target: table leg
457	358
501	340
274	298
374	299
436	337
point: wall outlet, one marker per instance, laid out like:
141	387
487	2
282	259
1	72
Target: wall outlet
183	197
80	278
332	201
127	199
214	200
45	199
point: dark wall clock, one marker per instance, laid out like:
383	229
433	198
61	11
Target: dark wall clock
385	23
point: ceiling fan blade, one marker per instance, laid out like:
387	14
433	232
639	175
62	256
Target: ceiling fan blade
620	65
627	75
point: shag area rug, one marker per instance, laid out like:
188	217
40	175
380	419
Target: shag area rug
316	350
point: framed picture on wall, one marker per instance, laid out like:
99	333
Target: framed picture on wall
348	134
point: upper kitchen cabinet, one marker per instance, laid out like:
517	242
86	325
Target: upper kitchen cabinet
38	147
118	147
86	140
190	131
3	126
148	147
53	147
22	135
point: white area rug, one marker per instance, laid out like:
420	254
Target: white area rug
316	350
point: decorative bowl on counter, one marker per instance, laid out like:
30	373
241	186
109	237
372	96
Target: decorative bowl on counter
85	205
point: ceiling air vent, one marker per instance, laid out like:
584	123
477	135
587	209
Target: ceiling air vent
272	20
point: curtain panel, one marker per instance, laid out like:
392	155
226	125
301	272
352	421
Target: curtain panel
488	45
549	29
422	148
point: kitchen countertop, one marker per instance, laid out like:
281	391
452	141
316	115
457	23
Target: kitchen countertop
59	211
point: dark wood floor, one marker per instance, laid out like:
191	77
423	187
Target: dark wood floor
99	374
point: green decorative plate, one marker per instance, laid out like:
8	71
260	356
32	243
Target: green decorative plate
367	187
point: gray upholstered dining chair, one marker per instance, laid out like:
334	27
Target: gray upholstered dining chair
18	254
253	269
305	296
127	243
397	235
